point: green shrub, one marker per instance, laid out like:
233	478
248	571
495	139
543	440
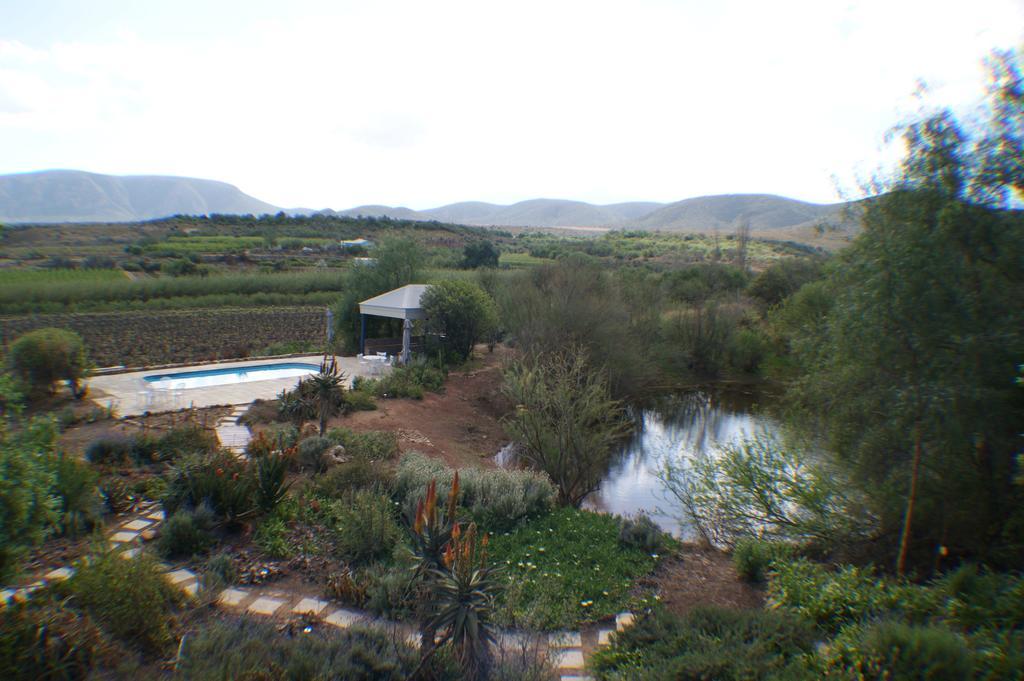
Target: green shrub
186	439
113	450
411	380
640	532
130	598
251	649
565	568
460	313
498	499
376	445
311	453
272	537
271	488
80	502
359	400
364	527
48	640
219	479
283	435
222	568
389	592
28	505
187	533
753	558
709	643
832	600
894	650
42	357
345	478
117	495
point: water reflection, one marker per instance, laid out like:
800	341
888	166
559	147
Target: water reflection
687	425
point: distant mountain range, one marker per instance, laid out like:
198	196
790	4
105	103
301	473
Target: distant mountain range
76	196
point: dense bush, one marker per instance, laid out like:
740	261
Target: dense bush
565	568
498	499
411	380
142	448
219	479
251	649
272	538
753	558
364	526
130	598
709	643
48	640
348	477
640	532
80	503
311	453
28	505
41	358
376	445
894	650
187	533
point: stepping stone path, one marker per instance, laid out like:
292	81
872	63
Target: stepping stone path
566	648
232	435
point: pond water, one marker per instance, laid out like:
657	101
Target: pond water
686	425
677	428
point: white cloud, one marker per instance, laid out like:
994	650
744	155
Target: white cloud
425	103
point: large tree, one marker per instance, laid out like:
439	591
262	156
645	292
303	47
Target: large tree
460	314
912	365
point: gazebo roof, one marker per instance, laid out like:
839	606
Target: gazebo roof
402	303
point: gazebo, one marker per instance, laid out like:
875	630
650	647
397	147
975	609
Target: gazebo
402	303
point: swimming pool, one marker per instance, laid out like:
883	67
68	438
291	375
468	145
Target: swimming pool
185	380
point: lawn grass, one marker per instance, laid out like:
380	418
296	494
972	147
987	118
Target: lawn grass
565	569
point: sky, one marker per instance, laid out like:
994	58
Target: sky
335	104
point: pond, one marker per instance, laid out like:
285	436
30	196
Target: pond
678	428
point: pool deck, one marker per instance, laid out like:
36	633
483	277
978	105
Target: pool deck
129	395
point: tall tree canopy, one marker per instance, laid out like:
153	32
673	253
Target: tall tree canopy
913	363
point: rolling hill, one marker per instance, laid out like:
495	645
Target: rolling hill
76	196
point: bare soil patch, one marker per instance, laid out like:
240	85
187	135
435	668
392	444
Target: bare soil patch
702	576
461	425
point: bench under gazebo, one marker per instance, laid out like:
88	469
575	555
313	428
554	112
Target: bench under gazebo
402	303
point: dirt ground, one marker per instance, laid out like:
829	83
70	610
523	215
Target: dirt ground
700	576
461	425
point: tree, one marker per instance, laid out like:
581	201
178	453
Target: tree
480	254
398	262
565	419
911	363
42	357
460	313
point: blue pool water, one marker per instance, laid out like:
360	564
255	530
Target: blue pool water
184	380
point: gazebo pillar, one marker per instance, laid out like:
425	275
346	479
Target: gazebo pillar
362	334
406	341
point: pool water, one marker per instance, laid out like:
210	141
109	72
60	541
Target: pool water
185	380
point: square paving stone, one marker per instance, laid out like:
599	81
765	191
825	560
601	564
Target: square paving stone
575	677
123	537
156	515
568	658
130	553
137	524
59	575
565	639
192	588
309	606
342	618
179	576
232	597
604	637
265	606
6	595
623	620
